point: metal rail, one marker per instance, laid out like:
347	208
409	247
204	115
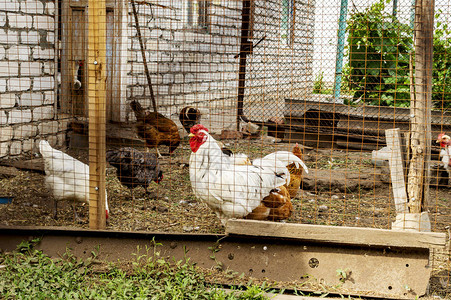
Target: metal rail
310	265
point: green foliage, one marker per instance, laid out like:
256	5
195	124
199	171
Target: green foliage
441	81
29	274
379	49
318	85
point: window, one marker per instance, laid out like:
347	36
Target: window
287	24
198	14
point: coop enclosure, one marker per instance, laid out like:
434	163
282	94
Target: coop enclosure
358	86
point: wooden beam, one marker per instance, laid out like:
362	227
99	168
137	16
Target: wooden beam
418	185
395	161
97	112
336	234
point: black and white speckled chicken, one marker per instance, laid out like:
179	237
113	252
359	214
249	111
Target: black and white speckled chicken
135	168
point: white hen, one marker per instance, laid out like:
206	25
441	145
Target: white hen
230	190
66	177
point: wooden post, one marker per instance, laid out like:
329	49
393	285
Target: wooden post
97	112
395	161
420	138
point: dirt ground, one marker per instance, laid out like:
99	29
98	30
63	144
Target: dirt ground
343	188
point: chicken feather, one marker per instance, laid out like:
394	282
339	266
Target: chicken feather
231	191
66	177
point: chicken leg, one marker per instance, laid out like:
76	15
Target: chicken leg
157	151
76	217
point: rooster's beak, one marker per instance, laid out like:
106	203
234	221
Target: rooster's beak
191	135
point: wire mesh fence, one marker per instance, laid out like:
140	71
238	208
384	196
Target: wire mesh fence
300	81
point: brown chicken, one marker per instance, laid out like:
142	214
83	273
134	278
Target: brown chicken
277	205
274	207
155	128
295	173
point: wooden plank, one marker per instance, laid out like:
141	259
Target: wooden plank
296	108
337	234
395	161
8	172
119	64
418	185
97	112
35	165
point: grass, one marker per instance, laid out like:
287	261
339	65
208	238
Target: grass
319	86
28	273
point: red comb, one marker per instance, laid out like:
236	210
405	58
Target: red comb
198	127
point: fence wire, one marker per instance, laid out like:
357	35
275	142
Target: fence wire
320	81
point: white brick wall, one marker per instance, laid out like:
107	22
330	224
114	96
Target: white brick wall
32	7
19	116
27	84
3	118
30	68
43	83
2	19
7	100
43	113
9	68
48	127
6	133
19	84
31	99
2	85
25	131
20	21
44	22
18	53
180	61
187	66
8	37
9	5
15	148
40	53
31	37
4	147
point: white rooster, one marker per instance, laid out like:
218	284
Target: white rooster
231	190
66	177
445	153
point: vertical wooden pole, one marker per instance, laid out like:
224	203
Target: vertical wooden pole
420	139
97	112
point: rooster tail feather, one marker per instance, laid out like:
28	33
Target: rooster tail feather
301	164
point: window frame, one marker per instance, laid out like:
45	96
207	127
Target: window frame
288	21
198	15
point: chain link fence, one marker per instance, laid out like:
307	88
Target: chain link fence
263	76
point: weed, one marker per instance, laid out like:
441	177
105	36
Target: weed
28	273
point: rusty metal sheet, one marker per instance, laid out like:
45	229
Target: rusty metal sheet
383	272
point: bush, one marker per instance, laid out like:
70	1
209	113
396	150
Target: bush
379	48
